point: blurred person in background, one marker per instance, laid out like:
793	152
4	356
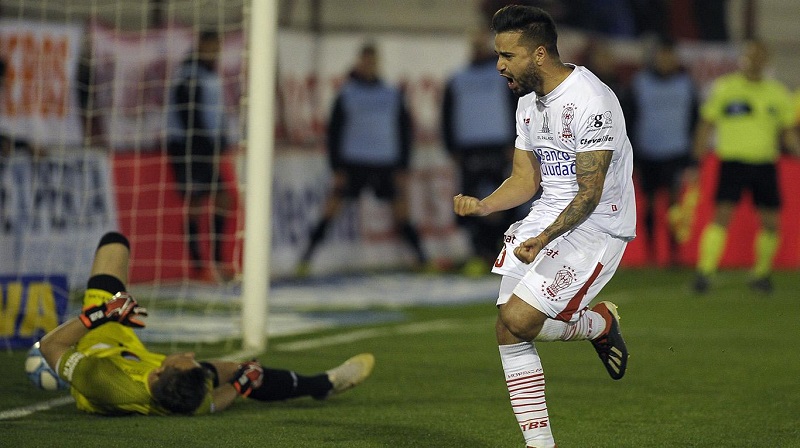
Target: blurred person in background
797	108
478	131
572	144
369	146
111	372
598	56
196	141
663	113
752	116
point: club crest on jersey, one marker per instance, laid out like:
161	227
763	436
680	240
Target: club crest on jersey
563	279
567	115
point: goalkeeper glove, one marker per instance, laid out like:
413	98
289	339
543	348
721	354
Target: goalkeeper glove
122	308
249	376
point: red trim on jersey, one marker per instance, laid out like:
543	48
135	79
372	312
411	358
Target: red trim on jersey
575	302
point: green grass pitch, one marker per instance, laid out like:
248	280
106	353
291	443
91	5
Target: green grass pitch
719	370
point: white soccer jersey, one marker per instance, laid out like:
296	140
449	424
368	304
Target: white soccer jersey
581	114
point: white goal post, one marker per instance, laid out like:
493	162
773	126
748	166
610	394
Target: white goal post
260	145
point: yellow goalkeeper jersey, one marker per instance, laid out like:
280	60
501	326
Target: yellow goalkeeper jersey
108	371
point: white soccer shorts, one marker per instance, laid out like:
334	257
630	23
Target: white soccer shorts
565	276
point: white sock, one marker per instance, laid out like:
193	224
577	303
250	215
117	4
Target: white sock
589	326
525	382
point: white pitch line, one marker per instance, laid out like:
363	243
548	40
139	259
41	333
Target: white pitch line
30	409
360	335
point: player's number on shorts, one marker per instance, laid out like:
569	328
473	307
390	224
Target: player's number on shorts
500	258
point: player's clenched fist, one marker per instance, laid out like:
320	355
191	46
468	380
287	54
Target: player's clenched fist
528	249
469	206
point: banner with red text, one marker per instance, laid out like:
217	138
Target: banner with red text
39	99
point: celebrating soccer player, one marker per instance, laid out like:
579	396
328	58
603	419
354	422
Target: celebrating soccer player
572	144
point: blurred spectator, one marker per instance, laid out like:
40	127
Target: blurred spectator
689	19
195	143
598	56
663	112
651	17
751	115
478	131
369	145
797	107
711	17
610	17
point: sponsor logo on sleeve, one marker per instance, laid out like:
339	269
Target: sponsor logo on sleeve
600	121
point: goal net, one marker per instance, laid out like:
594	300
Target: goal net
92	93
116	117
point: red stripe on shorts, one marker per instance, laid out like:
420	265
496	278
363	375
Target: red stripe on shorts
575	302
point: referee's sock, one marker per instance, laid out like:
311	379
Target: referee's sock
712	244
765	248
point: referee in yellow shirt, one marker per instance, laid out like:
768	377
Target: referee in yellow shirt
752	116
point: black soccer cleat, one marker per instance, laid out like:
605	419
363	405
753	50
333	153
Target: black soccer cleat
609	345
701	284
762	285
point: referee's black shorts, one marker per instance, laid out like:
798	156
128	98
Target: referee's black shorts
761	180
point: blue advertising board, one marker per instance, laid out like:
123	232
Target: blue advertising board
30	306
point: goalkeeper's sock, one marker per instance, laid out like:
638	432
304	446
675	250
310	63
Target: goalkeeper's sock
100	288
525	382
113	238
281	385
712	245
766	247
590	325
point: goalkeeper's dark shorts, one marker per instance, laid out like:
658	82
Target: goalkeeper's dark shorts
760	180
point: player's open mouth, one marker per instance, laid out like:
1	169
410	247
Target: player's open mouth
509	81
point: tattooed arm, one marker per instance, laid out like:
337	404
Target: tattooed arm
590	170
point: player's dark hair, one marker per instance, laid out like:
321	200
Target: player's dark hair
535	24
180	391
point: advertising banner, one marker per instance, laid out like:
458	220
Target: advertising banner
30	306
39	100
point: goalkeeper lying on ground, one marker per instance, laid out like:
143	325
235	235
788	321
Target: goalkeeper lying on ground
111	372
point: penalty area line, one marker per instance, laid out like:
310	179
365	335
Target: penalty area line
36	407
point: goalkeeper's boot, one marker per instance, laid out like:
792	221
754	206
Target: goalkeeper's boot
351	373
609	345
